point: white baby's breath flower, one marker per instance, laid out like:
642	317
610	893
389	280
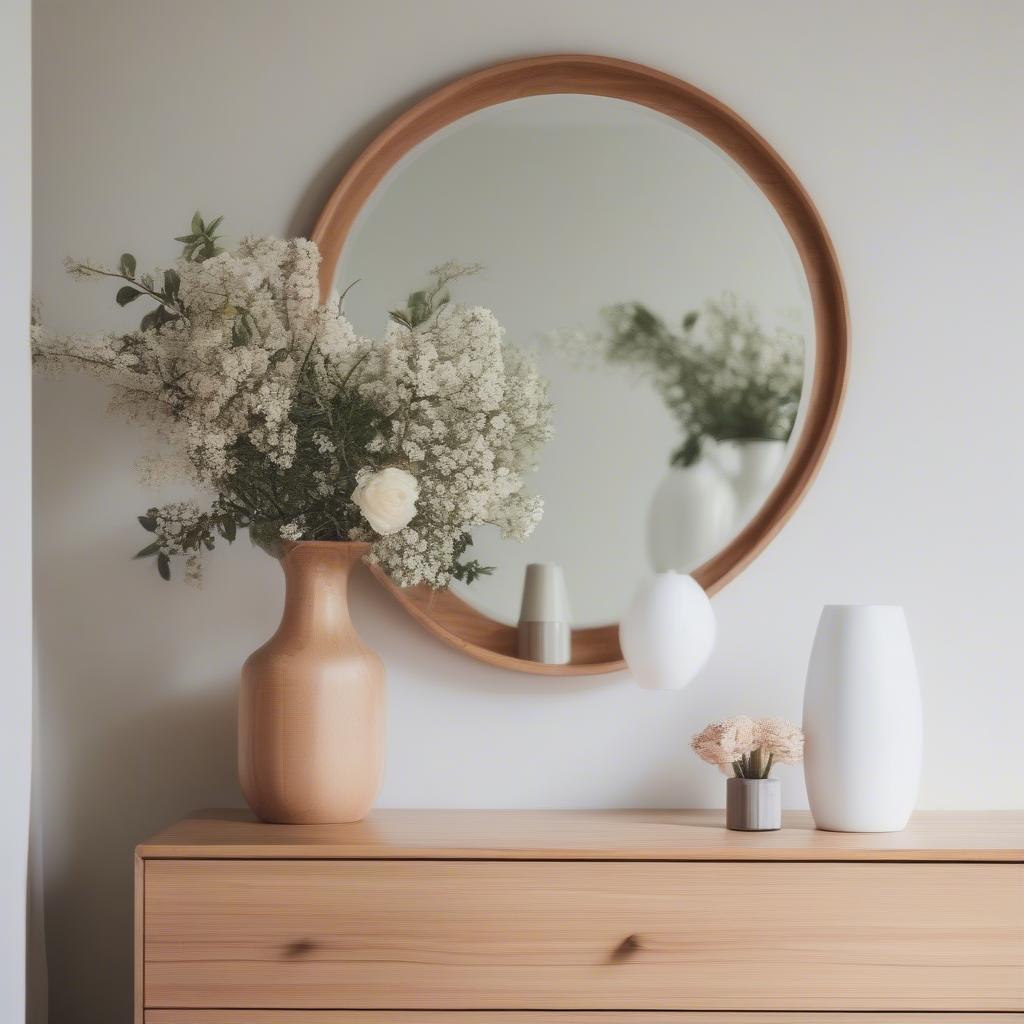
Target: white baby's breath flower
324	444
292	531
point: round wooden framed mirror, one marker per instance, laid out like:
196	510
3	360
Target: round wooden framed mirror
618	213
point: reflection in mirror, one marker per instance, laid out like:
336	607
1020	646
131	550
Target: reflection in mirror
663	300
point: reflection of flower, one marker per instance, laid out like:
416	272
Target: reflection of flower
387	499
720	374
750	748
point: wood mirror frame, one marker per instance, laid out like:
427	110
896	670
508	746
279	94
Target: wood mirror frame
596	649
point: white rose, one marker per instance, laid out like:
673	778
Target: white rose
387	499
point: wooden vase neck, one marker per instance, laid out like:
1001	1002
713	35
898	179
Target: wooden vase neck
316	577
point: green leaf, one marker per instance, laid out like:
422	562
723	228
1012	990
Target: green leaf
467	572
690	319
172	282
151	319
213	225
128	264
400	318
230	531
148	282
163	566
645	320
197	224
241	334
148	551
148	523
688	453
127	294
187	238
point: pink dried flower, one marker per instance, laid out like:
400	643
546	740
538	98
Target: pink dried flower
722	743
782	739
747	748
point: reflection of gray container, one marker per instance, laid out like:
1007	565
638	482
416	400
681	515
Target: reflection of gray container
544	630
753	805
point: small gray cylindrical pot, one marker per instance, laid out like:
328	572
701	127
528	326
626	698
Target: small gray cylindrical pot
544	631
753	805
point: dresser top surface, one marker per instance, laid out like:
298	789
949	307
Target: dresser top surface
587	835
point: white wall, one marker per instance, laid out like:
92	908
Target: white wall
902	119
15	507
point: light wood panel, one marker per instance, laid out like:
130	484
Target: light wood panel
138	944
494	935
506	1017
597	650
591	835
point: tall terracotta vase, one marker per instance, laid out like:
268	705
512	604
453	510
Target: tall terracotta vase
311	710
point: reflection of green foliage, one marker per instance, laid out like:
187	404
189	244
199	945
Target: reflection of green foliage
426	303
720	375
472	570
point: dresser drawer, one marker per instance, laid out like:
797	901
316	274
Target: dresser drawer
583	935
541	1017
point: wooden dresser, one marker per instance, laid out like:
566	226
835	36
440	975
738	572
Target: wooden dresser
433	917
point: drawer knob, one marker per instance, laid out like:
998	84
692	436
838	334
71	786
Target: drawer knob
626	948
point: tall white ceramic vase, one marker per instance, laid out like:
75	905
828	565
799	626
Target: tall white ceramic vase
862	720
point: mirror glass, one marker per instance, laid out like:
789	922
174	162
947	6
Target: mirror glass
663	299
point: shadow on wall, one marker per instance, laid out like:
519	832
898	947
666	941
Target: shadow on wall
137	709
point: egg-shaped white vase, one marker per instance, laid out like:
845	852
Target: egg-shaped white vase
862	720
668	632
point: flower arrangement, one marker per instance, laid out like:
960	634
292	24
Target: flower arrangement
721	375
267	399
749	747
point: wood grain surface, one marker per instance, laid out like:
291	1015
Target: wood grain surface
575	935
605	1017
590	835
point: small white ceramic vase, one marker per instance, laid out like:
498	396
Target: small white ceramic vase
545	630
691	517
668	632
862	720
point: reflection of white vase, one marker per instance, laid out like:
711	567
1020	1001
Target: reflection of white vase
753	467
691	517
667	633
862	720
